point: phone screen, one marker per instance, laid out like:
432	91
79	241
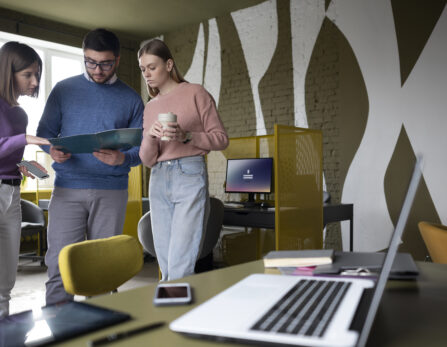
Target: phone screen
172	292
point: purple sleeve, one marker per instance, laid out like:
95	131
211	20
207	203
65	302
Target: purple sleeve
10	144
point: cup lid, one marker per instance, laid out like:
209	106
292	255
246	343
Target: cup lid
167	116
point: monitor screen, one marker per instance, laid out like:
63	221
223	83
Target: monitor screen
252	175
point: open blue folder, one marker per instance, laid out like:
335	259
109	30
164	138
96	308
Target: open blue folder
123	139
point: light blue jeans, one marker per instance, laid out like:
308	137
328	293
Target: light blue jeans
179	202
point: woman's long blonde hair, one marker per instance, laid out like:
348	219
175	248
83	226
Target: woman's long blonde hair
15	57
161	50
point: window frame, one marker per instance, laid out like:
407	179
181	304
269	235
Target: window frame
47	51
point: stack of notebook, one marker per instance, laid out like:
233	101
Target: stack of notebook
299	258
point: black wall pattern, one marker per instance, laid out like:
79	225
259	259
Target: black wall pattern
337	103
236	97
206	34
183	46
396	182
353	113
414	21
276	86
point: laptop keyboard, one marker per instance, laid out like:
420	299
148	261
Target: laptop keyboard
306	309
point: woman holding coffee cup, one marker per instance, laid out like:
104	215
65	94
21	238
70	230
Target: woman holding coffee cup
181	125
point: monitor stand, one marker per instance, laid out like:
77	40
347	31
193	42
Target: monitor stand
251	201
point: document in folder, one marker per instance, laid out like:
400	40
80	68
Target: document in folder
403	267
123	139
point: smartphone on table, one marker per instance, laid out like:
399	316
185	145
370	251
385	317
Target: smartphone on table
172	294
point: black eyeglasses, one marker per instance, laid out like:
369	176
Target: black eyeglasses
105	66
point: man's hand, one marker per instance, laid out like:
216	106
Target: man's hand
59	156
110	156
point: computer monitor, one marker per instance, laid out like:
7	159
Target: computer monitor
251	175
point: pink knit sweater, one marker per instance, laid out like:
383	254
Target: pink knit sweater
196	112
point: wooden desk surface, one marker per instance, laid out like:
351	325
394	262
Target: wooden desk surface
412	313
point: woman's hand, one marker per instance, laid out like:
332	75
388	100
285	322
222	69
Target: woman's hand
175	132
25	171
156	130
180	134
35	140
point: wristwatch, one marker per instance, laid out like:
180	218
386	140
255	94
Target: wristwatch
188	137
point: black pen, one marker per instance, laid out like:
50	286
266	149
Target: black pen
122	335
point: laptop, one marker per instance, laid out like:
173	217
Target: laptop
296	310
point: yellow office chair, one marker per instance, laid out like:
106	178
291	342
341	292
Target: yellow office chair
96	267
435	239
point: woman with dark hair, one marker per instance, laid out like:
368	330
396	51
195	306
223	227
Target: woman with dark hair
178	188
20	71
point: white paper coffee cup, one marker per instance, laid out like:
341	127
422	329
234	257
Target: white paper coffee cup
164	119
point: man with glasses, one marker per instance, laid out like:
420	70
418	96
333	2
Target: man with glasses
90	195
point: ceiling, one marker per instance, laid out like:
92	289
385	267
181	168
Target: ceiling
139	19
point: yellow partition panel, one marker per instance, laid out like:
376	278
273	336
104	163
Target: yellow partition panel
250	147
297	193
241	147
298	188
134	204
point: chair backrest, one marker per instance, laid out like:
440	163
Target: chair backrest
326	197
32	214
145	233
100	266
213	228
435	239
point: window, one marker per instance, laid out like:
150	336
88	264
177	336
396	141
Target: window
59	62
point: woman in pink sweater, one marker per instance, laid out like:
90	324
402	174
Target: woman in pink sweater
178	188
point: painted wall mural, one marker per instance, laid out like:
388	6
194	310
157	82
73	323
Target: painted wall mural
258	50
417	105
370	74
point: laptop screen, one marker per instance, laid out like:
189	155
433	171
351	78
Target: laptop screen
391	254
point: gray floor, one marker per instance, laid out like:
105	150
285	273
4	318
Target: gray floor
29	290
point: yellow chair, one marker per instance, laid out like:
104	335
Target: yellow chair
96	267
435	238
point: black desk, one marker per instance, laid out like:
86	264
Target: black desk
252	217
255	217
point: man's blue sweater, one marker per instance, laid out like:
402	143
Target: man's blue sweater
78	106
